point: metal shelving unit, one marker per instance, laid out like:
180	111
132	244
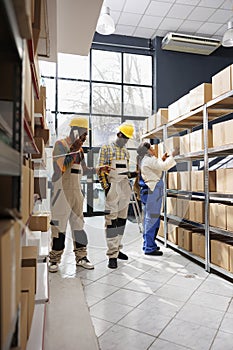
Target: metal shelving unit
214	109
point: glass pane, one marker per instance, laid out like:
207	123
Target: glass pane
50	119
106	99
47	68
73	66
137	69
104	130
63	121
98	198
50	93
137	101
106	66
138	131
132	160
73	96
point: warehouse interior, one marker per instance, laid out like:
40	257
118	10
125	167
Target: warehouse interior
166	66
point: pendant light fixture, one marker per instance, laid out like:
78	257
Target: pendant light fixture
105	24
227	40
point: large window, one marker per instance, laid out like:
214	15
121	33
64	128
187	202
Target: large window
108	87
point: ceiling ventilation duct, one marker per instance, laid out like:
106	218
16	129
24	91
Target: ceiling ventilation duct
189	43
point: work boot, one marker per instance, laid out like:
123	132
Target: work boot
112	263
85	263
122	256
155	252
53	267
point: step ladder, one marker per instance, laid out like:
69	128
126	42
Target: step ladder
136	208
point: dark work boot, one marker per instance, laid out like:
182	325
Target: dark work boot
112	263
155	252
122	256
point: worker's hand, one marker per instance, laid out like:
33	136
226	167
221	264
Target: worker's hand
105	168
106	190
132	174
165	156
76	145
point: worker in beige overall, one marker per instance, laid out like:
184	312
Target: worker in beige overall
67	197
117	191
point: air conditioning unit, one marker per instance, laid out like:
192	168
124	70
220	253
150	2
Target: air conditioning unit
189	43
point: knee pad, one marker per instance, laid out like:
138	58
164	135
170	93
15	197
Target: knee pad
80	238
59	243
121	222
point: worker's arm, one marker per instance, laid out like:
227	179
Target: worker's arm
102	173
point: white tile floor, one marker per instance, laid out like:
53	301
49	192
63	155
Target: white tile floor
151	303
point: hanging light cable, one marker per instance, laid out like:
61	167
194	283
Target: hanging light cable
105	25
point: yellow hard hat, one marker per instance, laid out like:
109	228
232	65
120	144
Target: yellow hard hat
79	122
127	130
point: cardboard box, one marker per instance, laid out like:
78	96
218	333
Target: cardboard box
219	254
27	88
172	233
36	26
198	244
231	258
224	183
24	18
29	258
185	180
39	222
40	145
230	218
185	144
184	105
222	82
218	215
161	117
9	277
172	143
171	205
31	190
200	95
41	186
151	122
43	133
160	149
25	190
24	321
222	133
173	111
161	229
182	208
184	239
197	181
197	140
28	286
197	211
173	180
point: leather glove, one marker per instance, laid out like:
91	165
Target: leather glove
132	174
76	145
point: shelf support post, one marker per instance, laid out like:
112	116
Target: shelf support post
206	189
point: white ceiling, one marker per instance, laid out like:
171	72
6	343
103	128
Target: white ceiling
150	18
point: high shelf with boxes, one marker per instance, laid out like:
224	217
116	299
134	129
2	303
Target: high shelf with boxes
18	289
199	196
11	67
